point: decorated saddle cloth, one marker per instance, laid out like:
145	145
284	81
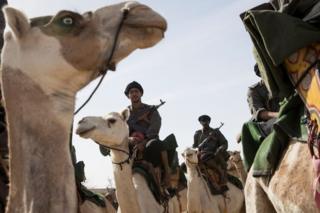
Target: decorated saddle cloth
285	35
278	29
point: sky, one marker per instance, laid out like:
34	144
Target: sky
204	65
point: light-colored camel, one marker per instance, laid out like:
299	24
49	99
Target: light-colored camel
235	166
290	188
133	193
45	61
200	199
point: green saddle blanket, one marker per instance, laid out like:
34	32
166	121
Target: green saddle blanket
264	154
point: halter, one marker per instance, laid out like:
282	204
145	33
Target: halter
127	160
104	69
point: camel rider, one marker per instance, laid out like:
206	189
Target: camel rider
144	132
212	147
264	110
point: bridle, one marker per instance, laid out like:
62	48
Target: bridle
103	71
104	68
127	160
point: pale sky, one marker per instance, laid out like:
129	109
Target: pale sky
204	65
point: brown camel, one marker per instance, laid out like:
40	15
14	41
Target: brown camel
45	62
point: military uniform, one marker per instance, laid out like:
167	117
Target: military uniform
259	100
149	128
219	140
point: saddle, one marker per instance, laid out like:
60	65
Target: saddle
213	180
153	177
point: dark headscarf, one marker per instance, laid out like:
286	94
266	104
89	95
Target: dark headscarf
204	118
133	84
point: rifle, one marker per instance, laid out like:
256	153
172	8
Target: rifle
211	134
221	125
144	116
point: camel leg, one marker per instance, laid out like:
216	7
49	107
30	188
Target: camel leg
256	199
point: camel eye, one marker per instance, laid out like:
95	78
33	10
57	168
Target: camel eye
112	121
67	20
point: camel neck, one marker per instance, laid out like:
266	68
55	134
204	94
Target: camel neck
41	171
193	171
126	193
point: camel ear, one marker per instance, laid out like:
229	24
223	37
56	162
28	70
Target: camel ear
125	114
17	21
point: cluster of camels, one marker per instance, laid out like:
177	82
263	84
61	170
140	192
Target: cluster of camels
39	98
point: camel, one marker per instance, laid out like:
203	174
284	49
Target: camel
235	166
132	191
290	188
199	196
45	62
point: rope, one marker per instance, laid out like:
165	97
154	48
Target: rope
119	150
104	71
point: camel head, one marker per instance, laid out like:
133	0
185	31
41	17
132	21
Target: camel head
190	156
234	156
110	130
68	50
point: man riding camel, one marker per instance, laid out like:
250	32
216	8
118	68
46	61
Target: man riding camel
213	149
144	126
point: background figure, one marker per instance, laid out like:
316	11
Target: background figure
264	109
212	148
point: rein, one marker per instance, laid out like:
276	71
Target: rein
104	69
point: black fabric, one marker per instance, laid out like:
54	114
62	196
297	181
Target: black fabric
256	70
204	118
154	147
104	151
131	85
95	198
235	181
152	152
